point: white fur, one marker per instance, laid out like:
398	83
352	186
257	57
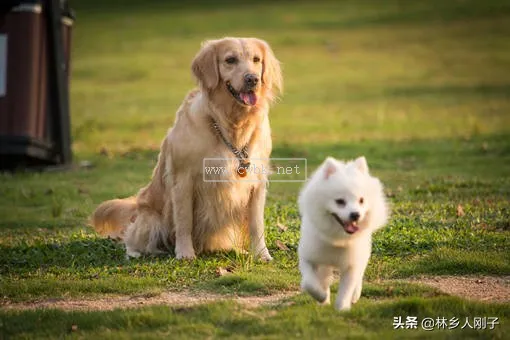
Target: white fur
324	244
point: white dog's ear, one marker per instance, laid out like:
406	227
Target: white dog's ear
271	70
361	164
330	167
205	66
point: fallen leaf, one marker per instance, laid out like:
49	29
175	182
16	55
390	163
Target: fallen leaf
220	271
287	303
104	152
26	193
86	164
83	191
281	226
181	309
332	47
460	211
281	245
253	314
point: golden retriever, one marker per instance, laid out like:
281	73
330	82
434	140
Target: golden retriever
225	119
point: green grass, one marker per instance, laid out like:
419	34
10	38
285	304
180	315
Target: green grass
294	318
420	88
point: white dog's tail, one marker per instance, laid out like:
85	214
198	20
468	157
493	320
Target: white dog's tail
112	217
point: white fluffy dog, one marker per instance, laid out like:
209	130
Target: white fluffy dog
341	206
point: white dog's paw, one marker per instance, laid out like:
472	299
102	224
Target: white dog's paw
327	301
342	305
315	291
356	296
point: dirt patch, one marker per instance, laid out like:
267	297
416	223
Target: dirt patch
178	299
481	288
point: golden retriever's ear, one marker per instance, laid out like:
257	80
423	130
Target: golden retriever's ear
271	72
205	66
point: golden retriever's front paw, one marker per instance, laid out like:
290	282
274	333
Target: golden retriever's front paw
266	258
264	255
187	254
132	253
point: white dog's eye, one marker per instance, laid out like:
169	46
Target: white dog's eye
340	201
231	60
256	59
361	200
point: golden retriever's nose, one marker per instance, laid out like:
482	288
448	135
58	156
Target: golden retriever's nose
251	80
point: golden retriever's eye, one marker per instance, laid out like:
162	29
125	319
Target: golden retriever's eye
256	59
361	200
231	60
340	201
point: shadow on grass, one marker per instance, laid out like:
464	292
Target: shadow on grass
79	254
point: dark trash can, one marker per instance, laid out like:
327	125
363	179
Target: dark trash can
35	41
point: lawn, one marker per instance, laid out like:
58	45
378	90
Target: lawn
421	88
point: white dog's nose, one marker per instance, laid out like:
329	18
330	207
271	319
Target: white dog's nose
354	216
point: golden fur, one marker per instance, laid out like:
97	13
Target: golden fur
178	208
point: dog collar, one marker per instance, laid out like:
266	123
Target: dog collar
241	155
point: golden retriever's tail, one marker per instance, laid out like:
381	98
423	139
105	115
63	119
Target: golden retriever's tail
111	218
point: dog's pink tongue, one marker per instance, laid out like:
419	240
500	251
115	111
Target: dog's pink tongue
249	98
350	228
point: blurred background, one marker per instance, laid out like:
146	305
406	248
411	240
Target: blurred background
422	89
353	70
